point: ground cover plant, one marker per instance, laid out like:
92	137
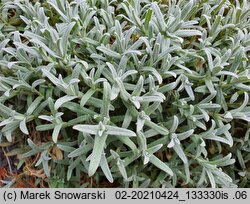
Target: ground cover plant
132	93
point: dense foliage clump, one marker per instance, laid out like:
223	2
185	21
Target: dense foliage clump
134	93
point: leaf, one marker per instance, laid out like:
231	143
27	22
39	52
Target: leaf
127	141
210	59
139	87
147	19
65	148
23	127
34	105
154	72
77	120
86	96
52	78
112	69
165	53
240	159
114	91
90	129
46	167
215	24
152	98
3	44
210	84
9	128
185	135
121	167
98	148
128	73
79	151
59	11
158	163
108	52
28	49
112	130
106	99
105	168
157	128
55	133
32	144
227	73
154	149
5	122
139	123
186	10
211	177
159	16
209	106
187	33
63	100
179	151
190	92
224	161
45	127
47	49
244	104
219	139
175	124
72	166
66	31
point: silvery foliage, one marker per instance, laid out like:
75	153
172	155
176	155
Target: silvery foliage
143	93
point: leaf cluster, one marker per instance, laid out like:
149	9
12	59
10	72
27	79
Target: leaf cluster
140	93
